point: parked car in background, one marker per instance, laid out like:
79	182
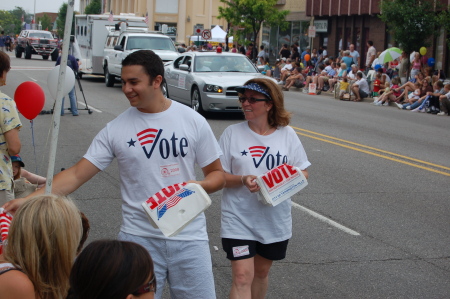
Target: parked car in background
37	42
207	81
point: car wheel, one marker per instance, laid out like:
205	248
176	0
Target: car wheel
196	101
18	52
55	54
28	52
45	57
165	90
109	79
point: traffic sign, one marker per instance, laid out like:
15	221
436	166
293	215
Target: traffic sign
198	29
312	31
206	34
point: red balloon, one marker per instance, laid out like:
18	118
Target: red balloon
30	99
307	57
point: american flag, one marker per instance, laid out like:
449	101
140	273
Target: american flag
146	18
173	201
147	136
111	17
5	222
257	151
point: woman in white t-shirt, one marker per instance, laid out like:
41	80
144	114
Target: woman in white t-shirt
254	234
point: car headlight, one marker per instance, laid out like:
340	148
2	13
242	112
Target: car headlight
212	88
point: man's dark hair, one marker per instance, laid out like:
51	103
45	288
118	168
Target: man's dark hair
370	43
359	75
262	47
152	63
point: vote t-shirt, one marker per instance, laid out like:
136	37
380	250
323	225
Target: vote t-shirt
245	153
153	151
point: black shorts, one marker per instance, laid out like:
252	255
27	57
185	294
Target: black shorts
245	249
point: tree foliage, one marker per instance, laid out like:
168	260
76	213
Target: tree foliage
93	8
249	15
444	21
412	22
9	23
46	22
61	20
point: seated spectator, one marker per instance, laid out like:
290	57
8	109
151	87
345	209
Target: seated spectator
343	86
360	88
408	87
266	68
286	71
114	270
296	79
326	74
390	95
376	86
277	69
445	101
42	244
339	76
427	93
347	59
385	80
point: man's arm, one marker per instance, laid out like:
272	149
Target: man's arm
214	177
64	182
13	141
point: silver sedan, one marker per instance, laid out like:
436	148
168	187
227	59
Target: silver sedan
206	81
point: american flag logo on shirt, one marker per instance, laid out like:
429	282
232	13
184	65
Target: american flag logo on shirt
147	136
173	201
257	151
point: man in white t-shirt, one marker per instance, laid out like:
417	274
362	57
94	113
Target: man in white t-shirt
262	55
355	55
157	143
371	54
360	88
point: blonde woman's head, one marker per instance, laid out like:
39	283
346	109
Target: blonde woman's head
43	239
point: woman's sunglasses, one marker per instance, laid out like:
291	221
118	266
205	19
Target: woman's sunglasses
146	288
252	100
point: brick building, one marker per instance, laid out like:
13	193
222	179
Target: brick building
344	22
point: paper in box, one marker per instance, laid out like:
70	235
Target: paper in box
174	207
280	183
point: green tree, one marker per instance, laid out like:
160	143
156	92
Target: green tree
9	23
444	21
411	22
93	8
249	15
46	22
18	12
61	21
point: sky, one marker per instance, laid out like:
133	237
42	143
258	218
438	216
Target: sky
41	5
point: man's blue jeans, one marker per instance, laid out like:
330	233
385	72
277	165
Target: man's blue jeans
73	103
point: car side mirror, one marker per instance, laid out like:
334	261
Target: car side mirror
118	48
184	67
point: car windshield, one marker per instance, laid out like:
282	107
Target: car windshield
150	43
47	35
216	63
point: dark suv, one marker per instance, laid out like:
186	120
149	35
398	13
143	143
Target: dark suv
38	42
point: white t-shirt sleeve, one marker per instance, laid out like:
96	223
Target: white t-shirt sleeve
448	95
207	148
100	152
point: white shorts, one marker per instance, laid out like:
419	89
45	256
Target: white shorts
186	265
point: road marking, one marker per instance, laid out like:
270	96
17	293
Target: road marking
376	154
90	107
31	68
325	219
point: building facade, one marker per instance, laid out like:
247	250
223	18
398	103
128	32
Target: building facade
181	16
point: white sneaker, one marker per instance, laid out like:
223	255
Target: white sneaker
423	110
416	109
375	99
399	106
281	83
379	103
386	103
441	113
305	90
408	108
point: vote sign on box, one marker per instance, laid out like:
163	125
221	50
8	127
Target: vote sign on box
174	207
280	183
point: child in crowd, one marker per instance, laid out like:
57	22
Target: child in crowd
445	101
343	88
390	94
296	79
377	85
412	97
25	182
425	96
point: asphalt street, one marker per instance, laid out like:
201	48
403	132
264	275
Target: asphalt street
374	221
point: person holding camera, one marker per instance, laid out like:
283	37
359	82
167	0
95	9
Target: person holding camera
73	64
